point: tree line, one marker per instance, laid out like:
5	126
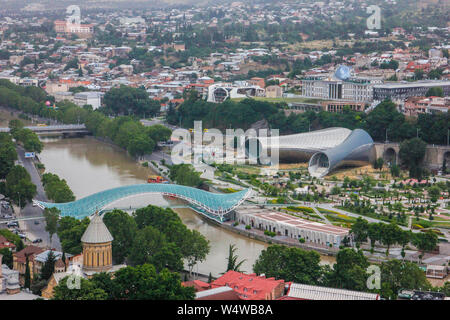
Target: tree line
391	234
384	121
125	131
349	272
17	184
57	189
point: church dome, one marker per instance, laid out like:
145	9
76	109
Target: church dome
97	232
342	72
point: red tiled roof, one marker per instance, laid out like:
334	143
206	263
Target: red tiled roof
31	251
197	284
249	286
5	243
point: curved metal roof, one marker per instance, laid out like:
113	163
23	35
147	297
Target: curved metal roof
355	148
214	203
314	140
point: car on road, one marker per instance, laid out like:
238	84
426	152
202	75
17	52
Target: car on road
36	222
13	224
38	240
7	216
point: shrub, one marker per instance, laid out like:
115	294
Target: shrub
270	233
248	227
301	240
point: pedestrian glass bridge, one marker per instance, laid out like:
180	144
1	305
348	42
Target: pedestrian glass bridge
214	203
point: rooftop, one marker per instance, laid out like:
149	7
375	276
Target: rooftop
308	292
97	232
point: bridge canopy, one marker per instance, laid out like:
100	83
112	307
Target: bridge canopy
213	203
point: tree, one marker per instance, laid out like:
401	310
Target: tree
197	249
389	235
419	74
128	100
395	170
19	187
185	175
412	153
435	92
150	246
49	266
349	272
425	241
14	126
87	290
396	275
379	164
8	154
70	230
232	259
360	231
51	221
123	229
384	117
144	283
7	257
159	132
290	264
27	276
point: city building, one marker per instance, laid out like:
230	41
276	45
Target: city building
435	271
96	256
9	279
251	286
401	91
220	293
5	243
339	86
293	227
97	246
219	92
81	30
274	91
326	150
413	106
299	291
88	98
20	258
338	106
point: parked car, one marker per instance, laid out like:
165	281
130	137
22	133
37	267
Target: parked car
36	222
13	224
22	236
38	240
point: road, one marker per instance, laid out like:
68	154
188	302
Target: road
32	230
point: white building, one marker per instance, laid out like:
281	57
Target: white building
339	86
219	92
290	226
90	97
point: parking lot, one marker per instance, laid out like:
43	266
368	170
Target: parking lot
8	220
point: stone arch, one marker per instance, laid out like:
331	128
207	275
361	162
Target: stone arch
390	156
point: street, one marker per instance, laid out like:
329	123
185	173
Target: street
32	230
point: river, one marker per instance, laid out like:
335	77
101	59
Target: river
90	166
